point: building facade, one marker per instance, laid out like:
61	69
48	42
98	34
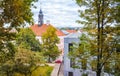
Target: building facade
69	40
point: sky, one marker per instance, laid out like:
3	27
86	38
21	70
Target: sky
60	13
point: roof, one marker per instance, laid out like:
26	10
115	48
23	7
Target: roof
59	33
71	31
39	30
65	32
74	35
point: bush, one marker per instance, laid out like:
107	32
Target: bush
43	71
40	71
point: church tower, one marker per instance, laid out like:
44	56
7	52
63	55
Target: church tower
40	18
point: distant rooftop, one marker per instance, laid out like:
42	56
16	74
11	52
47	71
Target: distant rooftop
71	31
74	35
65	32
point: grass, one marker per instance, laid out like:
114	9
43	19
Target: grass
43	71
40	71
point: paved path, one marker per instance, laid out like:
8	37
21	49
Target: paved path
58	68
61	72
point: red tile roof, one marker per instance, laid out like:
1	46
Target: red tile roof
59	33
39	30
71	31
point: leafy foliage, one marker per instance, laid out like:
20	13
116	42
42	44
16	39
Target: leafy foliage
28	56
26	39
81	52
99	17
7	52
13	13
50	41
26	61
43	71
16	12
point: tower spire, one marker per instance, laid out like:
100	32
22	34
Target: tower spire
40	16
40	5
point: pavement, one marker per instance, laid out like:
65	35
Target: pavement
58	68
61	72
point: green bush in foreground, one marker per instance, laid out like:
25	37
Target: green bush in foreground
43	71
40	71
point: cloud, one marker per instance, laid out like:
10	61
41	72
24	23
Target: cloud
61	13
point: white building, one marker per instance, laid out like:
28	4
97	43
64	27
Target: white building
68	40
68	63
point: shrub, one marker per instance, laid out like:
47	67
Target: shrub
43	71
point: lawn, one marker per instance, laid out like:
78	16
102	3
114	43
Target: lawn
43	71
40	71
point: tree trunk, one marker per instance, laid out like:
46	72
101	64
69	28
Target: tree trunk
7	73
98	38
49	59
99	72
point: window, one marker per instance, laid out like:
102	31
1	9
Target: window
72	62
70	46
70	73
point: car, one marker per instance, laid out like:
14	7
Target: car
58	61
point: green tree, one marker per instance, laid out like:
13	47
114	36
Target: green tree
81	52
26	39
28	56
27	61
50	41
97	15
14	13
